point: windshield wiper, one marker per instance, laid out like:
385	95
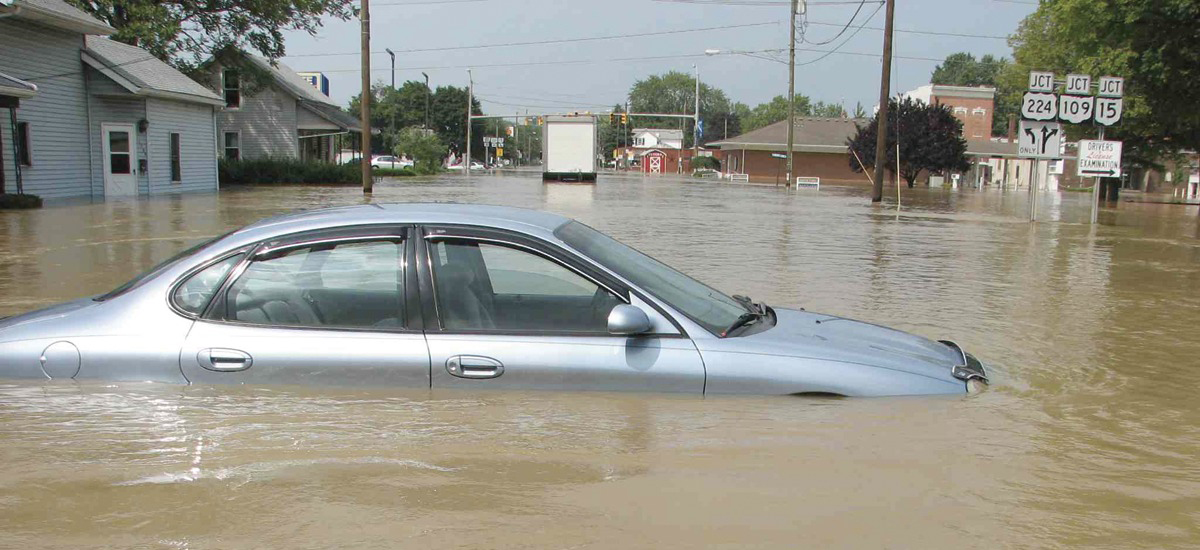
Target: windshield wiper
743	320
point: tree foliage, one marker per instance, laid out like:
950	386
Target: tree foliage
776	110
675	92
1154	44
393	110
423	146
186	32
930	139
611	136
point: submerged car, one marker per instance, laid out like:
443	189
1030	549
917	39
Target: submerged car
448	295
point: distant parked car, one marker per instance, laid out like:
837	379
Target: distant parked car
390	162
460	296
476	165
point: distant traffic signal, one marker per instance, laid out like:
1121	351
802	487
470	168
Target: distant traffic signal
612	118
624	118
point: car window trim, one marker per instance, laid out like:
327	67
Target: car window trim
182	279
584	269
217	310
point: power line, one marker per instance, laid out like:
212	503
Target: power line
839	46
556	41
841	32
754	3
911	31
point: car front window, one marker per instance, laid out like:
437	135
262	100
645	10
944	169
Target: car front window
699	302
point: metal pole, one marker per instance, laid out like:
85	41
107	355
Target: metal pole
696	121
393	56
885	81
791	129
470	103
1096	191
1033	175
365	98
428	94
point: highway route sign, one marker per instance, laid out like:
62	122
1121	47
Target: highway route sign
1099	159
1108	110
1041	82
1039	140
1039	106
1074	108
1079	84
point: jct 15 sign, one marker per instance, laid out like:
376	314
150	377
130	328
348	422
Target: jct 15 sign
1108	110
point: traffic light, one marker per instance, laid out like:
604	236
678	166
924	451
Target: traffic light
541	120
612	118
624	118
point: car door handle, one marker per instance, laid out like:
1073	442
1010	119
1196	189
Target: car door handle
474	366
224	360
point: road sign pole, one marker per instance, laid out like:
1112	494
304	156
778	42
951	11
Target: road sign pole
1033	183
1096	190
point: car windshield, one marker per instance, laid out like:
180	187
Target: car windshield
700	303
137	281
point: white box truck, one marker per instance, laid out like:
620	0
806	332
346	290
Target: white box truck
569	148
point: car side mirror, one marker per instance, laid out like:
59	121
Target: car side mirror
628	320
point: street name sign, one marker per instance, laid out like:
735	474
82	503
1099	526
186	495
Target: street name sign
779	155
1111	86
1074	108
1041	82
1039	106
1099	158
1079	84
1108	110
1039	140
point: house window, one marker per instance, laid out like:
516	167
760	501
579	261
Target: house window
980	111
24	142
960	110
176	168
233	88
233	146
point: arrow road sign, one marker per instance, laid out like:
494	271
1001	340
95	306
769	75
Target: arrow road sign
1039	140
1073	108
1099	158
1039	106
1108	110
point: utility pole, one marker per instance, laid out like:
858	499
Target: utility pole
428	94
365	98
791	129
470	102
696	120
885	93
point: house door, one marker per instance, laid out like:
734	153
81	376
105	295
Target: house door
120	171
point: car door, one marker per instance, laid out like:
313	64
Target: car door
329	308
511	311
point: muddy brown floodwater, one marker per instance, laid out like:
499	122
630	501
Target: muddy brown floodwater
1091	437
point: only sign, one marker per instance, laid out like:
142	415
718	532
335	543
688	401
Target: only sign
1039	106
1076	109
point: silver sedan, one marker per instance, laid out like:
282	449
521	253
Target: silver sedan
459	296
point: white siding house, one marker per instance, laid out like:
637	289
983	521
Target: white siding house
657	138
285	116
102	119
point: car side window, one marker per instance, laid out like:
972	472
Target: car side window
193	295
484	286
337	285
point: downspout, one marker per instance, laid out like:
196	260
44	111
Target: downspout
12	114
87	99
218	151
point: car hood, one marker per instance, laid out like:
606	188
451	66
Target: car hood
828	337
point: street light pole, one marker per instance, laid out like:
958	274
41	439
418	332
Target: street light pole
791	129
393	56
428	94
365	97
470	103
696	121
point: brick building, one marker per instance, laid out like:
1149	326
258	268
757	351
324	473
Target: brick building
819	151
975	107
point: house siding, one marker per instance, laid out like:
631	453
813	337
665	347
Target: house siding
198	163
50	59
266	121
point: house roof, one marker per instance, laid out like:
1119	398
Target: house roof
812	135
310	98
57	14
661	133
332	113
143	74
15	87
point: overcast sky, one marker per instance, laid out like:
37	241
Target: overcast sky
511	79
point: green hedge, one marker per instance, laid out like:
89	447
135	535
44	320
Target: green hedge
287	170
19	202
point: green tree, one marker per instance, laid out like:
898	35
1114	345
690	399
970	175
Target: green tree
930	139
675	92
962	69
393	110
423	146
1154	44
450	120
611	136
776	110
185	32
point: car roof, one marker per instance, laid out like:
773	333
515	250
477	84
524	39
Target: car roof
504	217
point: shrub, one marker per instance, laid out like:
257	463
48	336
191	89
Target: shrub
701	163
285	170
19	202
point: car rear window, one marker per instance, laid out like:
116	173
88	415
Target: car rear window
150	273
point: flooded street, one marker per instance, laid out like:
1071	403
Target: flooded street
1090	436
